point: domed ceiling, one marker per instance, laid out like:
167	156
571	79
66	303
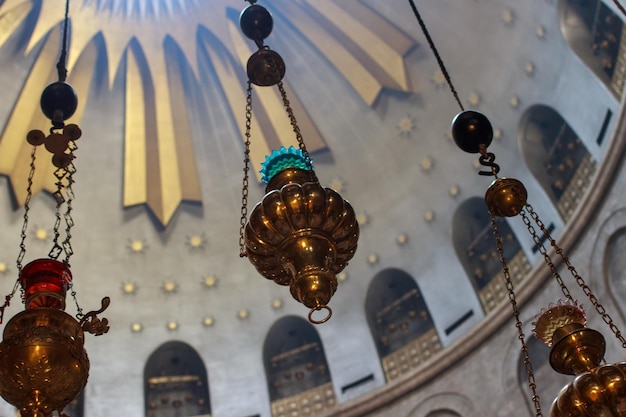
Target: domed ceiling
161	86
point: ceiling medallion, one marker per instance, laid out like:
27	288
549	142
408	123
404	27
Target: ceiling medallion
137	246
129	288
41	233
196	242
169	287
406	125
209	281
402	239
159	164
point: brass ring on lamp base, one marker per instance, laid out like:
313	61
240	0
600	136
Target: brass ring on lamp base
319	308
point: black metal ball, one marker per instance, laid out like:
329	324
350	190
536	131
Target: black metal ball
265	68
470	129
59	101
256	22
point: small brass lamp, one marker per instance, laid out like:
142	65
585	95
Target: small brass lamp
301	234
598	389
43	363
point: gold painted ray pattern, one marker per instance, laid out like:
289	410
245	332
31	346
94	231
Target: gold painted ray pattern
159	164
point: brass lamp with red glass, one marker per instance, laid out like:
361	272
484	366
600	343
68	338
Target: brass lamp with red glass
43	362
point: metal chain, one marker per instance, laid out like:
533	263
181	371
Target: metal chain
518	324
79	310
58	196
23	234
29	194
246	175
546	257
579	280
433	48
69	221
295	127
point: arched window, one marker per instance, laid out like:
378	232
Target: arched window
400	322
596	35
175	382
615	263
557	157
476	249
297	373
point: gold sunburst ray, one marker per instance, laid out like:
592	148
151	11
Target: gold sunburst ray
158	145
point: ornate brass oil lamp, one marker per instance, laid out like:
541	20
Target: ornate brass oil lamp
598	389
43	363
301	234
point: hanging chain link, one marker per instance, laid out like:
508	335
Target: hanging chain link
246	175
579	280
29	195
546	257
295	127
518	324
56	250
69	221
23	234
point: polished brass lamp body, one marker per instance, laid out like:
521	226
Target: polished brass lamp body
598	389
43	363
302	234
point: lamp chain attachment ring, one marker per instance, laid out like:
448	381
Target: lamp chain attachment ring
319	308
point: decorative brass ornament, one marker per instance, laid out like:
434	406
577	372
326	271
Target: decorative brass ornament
506	197
597	390
302	234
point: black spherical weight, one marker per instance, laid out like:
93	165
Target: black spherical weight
256	22
470	130
59	101
265	68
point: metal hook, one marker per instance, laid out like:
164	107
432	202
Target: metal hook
487	160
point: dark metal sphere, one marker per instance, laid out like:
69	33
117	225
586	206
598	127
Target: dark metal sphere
256	22
470	129
36	137
265	68
59	101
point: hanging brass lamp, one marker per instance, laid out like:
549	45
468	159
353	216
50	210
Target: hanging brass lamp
43	363
301	234
598	389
